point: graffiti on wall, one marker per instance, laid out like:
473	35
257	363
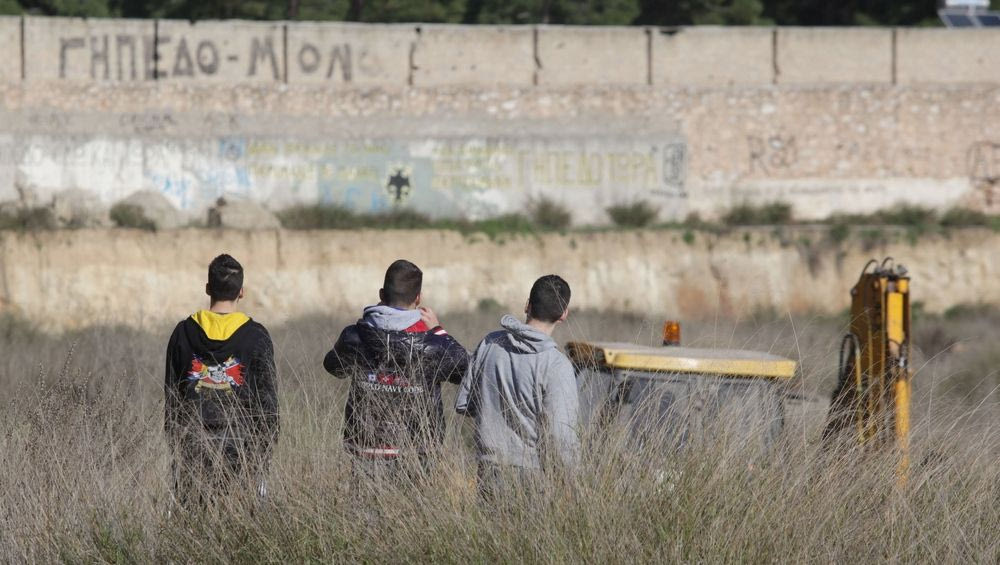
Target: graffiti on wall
464	177
132	57
176	53
767	154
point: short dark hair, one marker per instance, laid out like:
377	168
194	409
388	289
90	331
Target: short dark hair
403	281
225	278
549	298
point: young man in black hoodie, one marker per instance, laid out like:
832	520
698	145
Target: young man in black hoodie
397	355
220	396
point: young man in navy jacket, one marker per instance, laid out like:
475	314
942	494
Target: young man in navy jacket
397	355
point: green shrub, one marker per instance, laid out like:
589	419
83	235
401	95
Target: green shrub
507	223
131	216
962	217
548	214
967	311
399	219
37	218
839	232
318	217
638	214
907	215
774	213
693	220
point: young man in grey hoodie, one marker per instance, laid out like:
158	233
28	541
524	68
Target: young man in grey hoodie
522	392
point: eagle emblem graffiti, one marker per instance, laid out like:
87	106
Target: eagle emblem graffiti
398	184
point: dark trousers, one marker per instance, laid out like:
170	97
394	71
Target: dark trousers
210	468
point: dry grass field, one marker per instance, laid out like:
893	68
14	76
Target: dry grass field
85	467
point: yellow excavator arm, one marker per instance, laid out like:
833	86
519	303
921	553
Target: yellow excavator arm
872	398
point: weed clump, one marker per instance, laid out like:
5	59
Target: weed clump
27	219
549	214
131	216
638	214
965	217
839	232
325	217
773	213
907	215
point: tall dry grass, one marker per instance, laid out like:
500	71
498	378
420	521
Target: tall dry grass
85	467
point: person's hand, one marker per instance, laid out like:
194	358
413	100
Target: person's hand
429	317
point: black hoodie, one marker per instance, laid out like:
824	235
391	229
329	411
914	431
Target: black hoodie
220	381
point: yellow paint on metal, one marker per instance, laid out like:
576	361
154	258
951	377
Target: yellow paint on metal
903	425
894	317
683	360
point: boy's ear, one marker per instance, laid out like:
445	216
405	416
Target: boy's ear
240	297
381	295
419	296
565	315
207	291
526	308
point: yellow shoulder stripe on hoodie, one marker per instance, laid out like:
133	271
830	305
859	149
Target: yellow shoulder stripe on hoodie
219	327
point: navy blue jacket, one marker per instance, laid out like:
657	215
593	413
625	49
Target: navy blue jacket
394	403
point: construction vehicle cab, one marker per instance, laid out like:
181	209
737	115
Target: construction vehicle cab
678	397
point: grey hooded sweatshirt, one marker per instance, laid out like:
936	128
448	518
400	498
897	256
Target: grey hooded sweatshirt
522	392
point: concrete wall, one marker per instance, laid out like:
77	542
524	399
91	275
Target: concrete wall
593	55
72	279
478	153
713	56
396	56
349	55
220	51
476	121
846	55
928	55
94	51
10	49
463	55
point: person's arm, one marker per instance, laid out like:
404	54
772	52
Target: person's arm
264	394
449	359
345	353
562	406
171	393
465	402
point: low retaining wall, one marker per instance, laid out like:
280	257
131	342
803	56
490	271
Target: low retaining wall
70	279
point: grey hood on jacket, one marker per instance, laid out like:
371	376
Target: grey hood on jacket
522	392
388	318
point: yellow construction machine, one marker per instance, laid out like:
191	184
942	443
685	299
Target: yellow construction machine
872	398
683	397
688	394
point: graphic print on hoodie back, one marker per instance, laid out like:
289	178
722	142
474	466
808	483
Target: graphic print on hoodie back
396	365
220	381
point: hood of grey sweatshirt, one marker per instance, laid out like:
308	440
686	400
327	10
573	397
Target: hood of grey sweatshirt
388	318
522	392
